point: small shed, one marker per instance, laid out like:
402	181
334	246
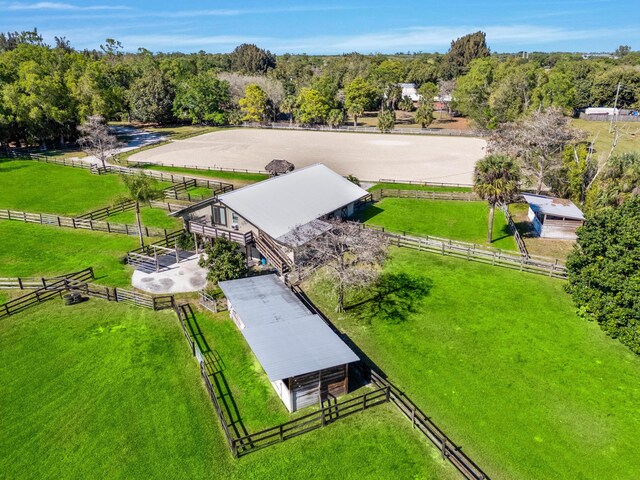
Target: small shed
305	361
553	217
279	167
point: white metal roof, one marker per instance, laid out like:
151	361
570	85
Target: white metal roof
280	204
285	337
558	207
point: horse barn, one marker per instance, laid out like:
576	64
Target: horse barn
306	362
269	219
554	217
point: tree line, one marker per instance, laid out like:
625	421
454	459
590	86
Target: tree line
48	90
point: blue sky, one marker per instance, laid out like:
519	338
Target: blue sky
331	26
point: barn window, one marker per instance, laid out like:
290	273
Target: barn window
219	215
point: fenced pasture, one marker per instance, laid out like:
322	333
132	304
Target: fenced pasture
74	352
40	250
497	360
410	157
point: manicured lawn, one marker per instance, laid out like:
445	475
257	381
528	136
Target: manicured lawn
458	220
410	186
151	217
500	361
103	390
31	186
30	249
603	139
237	178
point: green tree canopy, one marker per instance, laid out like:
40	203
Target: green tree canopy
462	52
202	99
604	272
254	105
359	96
151	98
248	58
386	121
223	260
312	107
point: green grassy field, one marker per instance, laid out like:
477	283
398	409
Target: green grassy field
410	186
628	141
151	217
500	361
458	220
239	178
42	187
39	250
103	390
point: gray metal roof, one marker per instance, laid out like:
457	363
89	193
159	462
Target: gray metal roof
280	204
285	337
262	300
558	207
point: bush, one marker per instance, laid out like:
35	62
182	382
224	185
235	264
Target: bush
224	261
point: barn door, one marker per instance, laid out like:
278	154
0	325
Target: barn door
305	390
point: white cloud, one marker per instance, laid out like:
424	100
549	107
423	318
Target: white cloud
57	6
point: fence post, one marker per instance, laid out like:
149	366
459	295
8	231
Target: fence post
388	393
413	417
73	222
20	283
444	448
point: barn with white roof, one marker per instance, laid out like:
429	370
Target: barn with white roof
304	359
271	217
553	217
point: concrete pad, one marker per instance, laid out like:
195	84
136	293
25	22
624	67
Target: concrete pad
427	158
185	276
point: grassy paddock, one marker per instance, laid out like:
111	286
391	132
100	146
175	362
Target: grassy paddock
150	217
114	392
629	140
410	186
238	178
39	250
42	187
500	361
458	220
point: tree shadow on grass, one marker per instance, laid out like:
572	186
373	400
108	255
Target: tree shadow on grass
393	298
505	232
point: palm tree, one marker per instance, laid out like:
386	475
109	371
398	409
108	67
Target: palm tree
142	188
496	179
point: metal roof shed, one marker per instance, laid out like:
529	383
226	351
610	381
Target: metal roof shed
553	217
303	358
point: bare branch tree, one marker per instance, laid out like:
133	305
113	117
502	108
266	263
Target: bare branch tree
97	140
351	255
537	141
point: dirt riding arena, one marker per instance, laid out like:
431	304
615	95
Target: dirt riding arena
367	156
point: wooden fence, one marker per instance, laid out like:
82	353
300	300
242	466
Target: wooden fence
81	223
423	184
478	253
51	287
127	205
211	303
514	231
419	420
122	295
135	164
312	421
422	194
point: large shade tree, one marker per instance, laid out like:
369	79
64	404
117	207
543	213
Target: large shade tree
97	140
350	255
496	179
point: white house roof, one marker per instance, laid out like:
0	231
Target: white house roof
284	336
409	90
280	204
558	207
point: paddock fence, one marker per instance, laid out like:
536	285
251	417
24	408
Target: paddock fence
135	164
126	206
364	129
473	252
423	194
82	223
122	295
514	231
50	288
449	450
422	184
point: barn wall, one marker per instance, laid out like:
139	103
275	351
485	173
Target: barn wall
311	388
283	392
534	221
560	229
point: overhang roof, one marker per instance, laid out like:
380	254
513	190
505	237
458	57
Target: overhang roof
285	337
558	207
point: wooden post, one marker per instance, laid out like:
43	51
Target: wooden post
281	433
413	417
177	254
73	222
115	294
444	448
195	242
20	283
155	254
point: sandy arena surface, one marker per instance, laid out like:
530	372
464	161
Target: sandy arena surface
367	156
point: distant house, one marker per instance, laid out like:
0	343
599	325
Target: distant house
306	362
602	111
272	217
409	90
554	217
279	167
